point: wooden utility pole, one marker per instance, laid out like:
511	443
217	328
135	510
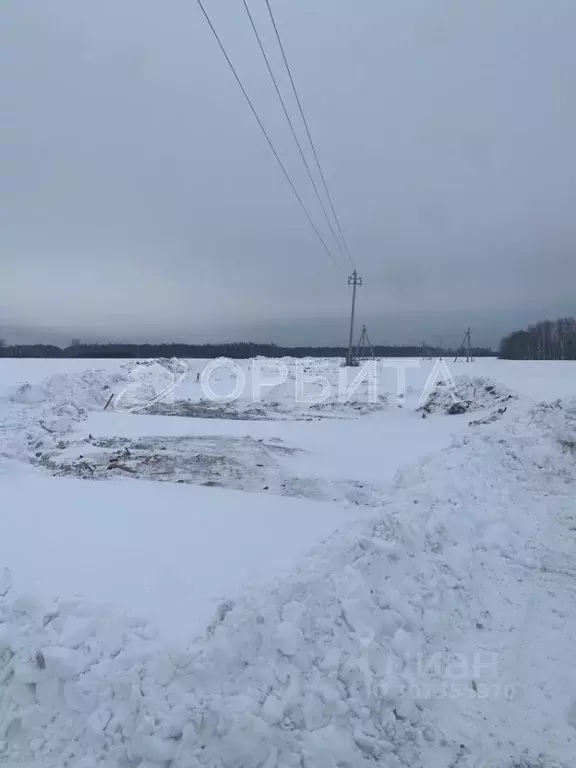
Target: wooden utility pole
353	280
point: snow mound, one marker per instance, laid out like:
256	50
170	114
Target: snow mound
38	417
440	633
173	364
299	676
148	382
466	394
144	385
84	391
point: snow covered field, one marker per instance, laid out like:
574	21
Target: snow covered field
303	575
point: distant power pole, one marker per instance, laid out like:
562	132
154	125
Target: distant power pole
353	280
363	345
466	347
440	345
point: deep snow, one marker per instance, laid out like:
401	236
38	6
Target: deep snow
167	553
435	628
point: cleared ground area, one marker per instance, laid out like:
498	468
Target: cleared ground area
294	579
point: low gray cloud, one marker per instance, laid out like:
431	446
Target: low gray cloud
138	198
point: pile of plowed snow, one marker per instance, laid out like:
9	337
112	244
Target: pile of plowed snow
439	634
149	381
88	390
35	417
466	394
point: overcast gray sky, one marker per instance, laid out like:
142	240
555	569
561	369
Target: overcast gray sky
138	198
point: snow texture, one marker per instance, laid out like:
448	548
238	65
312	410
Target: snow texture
466	394
439	633
39	417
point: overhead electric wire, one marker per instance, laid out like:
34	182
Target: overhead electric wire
293	130
273	20
264	131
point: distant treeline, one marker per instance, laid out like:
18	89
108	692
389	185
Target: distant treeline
240	350
547	340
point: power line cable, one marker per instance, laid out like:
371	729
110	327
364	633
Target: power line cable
263	129
308	131
293	130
